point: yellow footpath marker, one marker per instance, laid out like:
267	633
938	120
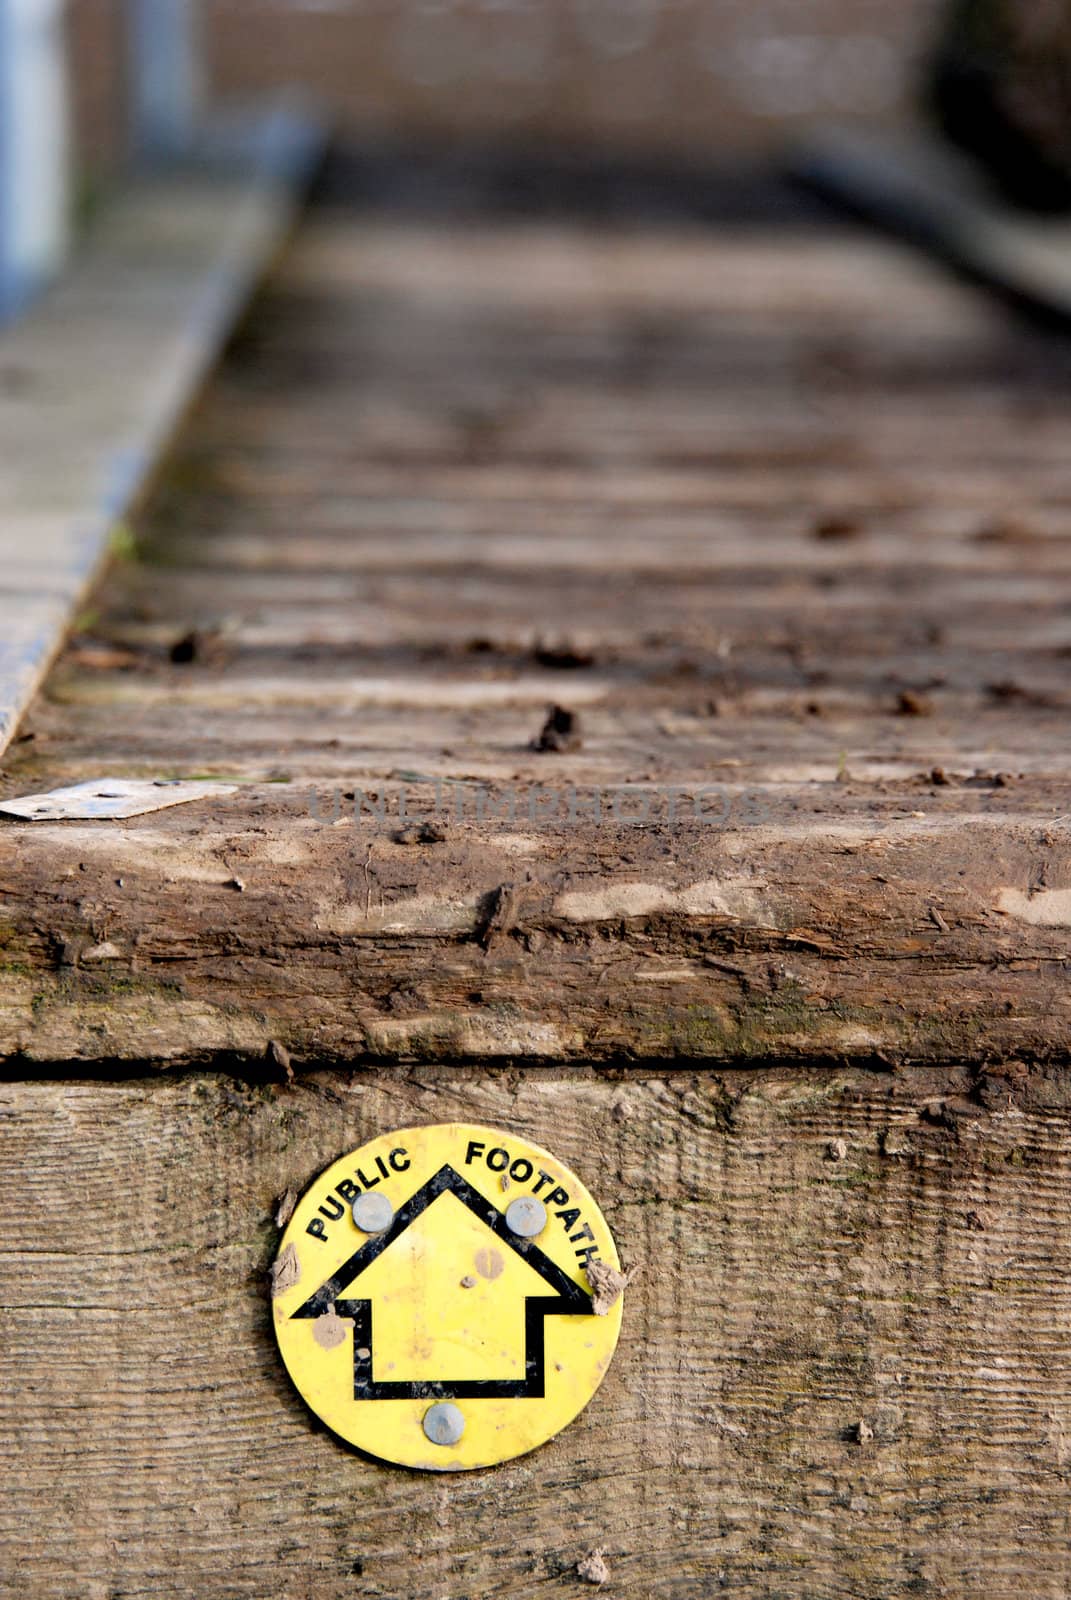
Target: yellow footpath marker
431	1297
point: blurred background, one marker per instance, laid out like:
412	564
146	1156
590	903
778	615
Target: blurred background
681	87
712	79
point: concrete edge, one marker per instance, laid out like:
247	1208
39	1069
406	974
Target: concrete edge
248	178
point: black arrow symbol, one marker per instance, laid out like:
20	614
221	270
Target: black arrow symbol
568	1300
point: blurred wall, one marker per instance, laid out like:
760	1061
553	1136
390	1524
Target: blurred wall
96	57
702	75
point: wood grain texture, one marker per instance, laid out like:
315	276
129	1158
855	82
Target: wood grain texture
844	1368
777	512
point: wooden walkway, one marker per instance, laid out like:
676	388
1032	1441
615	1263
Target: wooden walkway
779	516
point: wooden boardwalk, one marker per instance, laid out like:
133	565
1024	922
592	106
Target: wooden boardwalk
778	518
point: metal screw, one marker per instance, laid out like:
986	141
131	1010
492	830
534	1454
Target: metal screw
526	1215
373	1213
444	1423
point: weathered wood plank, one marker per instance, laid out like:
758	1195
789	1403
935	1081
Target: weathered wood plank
911	940
912	1279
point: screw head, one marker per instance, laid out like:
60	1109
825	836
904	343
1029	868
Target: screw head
444	1423
373	1213
526	1216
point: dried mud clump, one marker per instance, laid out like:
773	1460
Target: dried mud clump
560	732
607	1286
593	1569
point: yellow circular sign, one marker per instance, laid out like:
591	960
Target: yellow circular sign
447	1297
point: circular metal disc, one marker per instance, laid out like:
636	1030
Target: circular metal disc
395	1337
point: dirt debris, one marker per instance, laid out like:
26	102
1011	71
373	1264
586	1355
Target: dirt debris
1008	530
285	1272
284	1208
607	1285
989	780
329	1329
203	645
563	657
421	833
911	703
277	1057
499	913
560	732
592	1568
837	526
1006	691
734	1430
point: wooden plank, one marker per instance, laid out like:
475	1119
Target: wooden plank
101	373
781	517
843	1368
